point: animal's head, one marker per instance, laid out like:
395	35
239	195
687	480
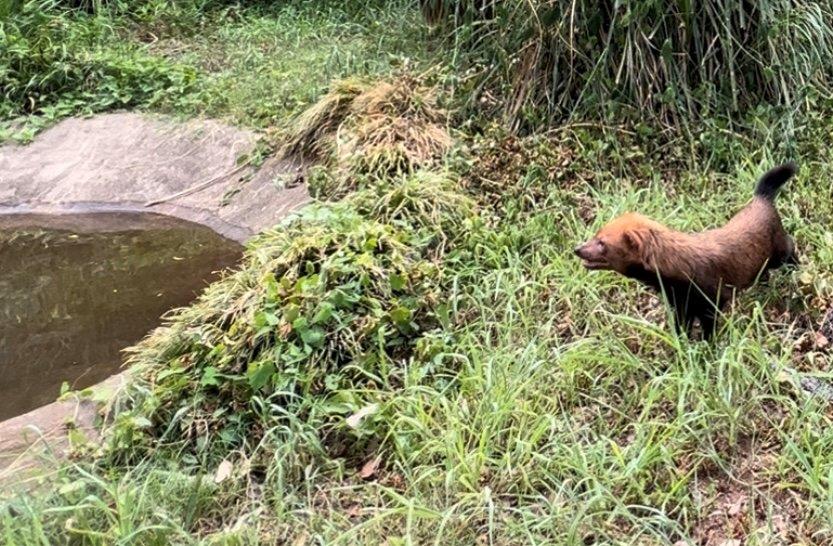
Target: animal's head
618	245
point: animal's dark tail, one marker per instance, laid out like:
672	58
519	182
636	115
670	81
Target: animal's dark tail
773	179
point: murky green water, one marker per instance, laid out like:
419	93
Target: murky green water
77	289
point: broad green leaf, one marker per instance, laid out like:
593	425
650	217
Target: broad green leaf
209	377
325	311
398	282
259	374
314	337
401	316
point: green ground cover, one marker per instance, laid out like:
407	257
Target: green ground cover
418	358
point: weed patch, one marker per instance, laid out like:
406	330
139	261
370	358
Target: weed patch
58	62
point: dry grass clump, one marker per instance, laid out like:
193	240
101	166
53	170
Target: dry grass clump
314	133
361	130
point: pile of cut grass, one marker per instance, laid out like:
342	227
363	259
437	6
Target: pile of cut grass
361	133
337	297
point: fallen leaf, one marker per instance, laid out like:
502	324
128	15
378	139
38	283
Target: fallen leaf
730	542
736	507
783	377
821	341
370	467
354	511
394	480
301	539
354	420
223	471
779	523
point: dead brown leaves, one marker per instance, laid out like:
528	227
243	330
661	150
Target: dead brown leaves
504	165
746	501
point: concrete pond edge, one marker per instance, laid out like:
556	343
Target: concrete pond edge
122	167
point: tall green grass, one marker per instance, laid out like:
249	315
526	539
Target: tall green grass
536	62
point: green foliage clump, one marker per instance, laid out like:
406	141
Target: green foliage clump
58	61
328	299
431	202
542	61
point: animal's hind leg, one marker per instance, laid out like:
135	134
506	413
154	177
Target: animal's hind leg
791	258
785	255
708	322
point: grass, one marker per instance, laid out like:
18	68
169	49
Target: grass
536	63
57	62
560	408
266	65
256	67
425	362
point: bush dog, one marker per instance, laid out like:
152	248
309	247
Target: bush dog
698	272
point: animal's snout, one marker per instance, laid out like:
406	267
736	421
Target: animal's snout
578	250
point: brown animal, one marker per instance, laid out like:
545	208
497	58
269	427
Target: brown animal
698	272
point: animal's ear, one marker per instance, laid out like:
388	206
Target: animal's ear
638	239
633	239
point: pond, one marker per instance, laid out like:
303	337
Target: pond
75	290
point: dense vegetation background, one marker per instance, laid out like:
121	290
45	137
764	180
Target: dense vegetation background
417	358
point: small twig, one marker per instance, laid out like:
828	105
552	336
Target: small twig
589	125
199	187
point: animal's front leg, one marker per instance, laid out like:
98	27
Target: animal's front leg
683	321
677	297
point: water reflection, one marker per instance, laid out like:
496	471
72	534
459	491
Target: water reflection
77	289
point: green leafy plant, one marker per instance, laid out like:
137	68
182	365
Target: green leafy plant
329	297
56	61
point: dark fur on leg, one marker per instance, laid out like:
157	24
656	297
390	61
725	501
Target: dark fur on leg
688	301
